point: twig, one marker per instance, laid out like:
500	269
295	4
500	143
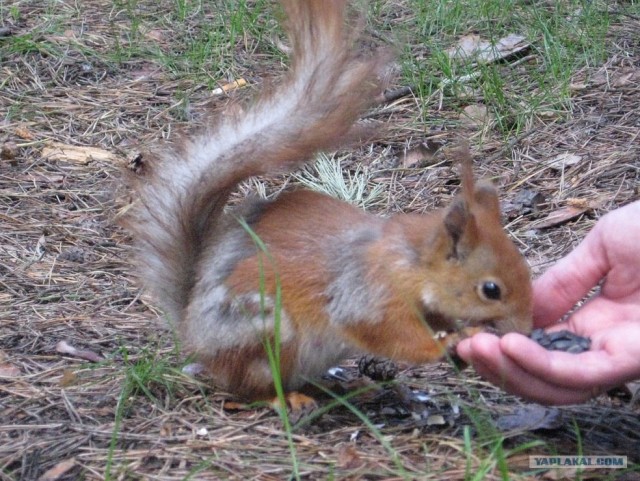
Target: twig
392	95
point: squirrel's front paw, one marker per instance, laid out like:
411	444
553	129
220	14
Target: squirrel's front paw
450	341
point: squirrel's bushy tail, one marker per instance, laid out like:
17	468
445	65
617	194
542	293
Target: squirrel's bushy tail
182	192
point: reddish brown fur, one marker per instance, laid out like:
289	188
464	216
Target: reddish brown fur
232	368
348	279
298	220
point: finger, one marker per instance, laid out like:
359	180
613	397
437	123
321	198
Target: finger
463	350
591	370
516	380
569	280
486	357
483	352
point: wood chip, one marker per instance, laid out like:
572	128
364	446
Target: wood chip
64	348
76	153
58	470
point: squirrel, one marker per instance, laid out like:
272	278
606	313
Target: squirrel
321	277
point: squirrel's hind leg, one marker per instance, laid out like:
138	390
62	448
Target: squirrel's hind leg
247	372
299	404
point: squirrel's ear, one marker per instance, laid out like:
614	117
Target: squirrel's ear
461	228
486	197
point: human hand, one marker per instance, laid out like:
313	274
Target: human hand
611	251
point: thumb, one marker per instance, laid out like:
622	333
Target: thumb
571	279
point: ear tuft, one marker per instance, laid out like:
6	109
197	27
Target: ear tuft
455	219
486	197
461	228
459	221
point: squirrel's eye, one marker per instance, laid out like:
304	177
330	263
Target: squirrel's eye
491	290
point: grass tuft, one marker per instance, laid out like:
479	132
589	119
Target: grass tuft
328	176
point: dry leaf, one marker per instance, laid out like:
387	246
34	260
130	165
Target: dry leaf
24	133
601	77
560	216
41	247
634	389
579	203
76	153
166	430
9	370
468	46
422	154
236	406
588	204
530	418
348	457
627	77
155	34
472	46
69	378
193	369
9	151
475	115
436	420
525	201
58	470
562	161
548	114
506	47
145	71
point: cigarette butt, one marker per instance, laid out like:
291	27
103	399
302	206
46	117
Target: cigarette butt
236	84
